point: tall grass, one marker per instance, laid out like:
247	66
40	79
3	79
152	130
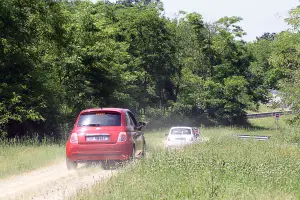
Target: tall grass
20	155
225	167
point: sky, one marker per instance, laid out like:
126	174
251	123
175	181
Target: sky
259	16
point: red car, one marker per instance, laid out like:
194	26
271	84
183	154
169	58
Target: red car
105	134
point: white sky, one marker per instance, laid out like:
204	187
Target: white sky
259	16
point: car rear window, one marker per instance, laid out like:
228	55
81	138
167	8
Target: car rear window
99	119
180	131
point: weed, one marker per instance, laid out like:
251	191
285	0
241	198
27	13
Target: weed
224	167
20	155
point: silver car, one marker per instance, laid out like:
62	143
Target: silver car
180	136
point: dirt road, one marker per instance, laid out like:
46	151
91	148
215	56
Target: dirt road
53	182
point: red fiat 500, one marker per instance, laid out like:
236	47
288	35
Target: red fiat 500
103	134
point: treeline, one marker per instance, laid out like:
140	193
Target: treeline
59	57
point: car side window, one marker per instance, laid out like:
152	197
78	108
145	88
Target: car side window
128	120
133	119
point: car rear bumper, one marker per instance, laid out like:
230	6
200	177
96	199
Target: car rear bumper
98	152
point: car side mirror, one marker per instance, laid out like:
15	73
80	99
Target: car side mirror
141	124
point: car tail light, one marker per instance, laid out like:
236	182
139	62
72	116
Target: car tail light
74	138
122	137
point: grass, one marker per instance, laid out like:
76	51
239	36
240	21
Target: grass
264	108
21	156
260	126
270	122
222	168
155	139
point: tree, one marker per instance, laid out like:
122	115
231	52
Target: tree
293	18
286	56
214	65
263	75
19	24
267	36
59	57
151	51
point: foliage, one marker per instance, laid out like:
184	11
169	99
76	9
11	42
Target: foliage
286	57
277	62
59	57
25	154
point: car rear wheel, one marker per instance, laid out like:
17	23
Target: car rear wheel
105	164
144	149
132	157
70	164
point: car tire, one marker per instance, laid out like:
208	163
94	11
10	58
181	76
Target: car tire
71	165
144	149
105	164
132	156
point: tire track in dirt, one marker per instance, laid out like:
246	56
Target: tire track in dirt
54	182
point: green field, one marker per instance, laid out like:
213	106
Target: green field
22	156
222	168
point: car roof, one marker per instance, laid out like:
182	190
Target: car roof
181	127
105	109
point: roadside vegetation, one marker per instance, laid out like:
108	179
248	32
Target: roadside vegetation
224	167
19	156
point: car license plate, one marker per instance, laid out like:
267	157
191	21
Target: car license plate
97	138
